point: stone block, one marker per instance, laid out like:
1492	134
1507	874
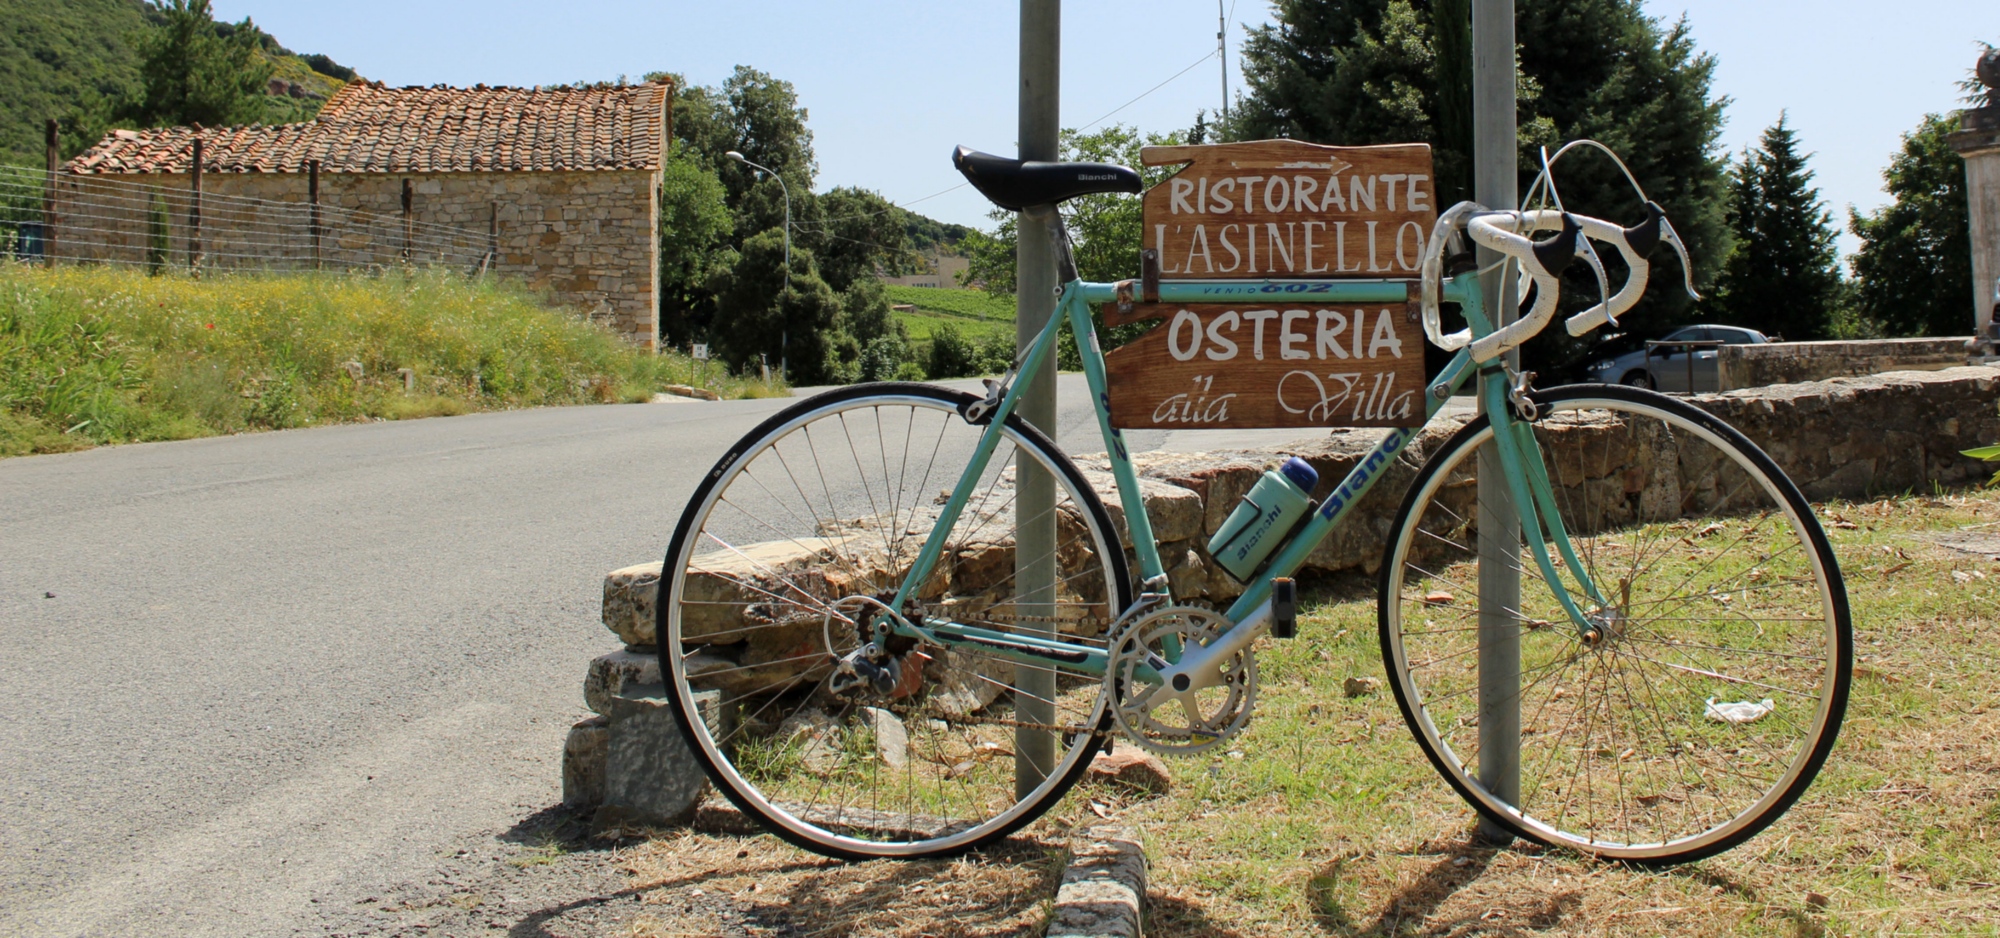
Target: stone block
1133	768
651	778
1103	891
583	765
630	603
611	674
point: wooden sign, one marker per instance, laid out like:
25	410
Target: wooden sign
1284	363
1286	209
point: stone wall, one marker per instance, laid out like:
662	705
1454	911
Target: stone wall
588	239
1755	366
1846	438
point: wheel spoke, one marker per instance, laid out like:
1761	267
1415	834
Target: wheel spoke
1716	593
800	537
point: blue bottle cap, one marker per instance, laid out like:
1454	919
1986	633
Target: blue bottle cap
1301	473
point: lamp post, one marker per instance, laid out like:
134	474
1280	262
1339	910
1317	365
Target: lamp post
784	329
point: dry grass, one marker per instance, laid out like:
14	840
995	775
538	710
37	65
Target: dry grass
712	884
1325	819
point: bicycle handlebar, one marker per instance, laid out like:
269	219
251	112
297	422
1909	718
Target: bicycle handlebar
1542	262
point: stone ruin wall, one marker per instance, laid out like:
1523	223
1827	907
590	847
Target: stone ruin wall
1846	438
587	239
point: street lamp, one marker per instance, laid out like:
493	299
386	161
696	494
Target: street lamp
784	330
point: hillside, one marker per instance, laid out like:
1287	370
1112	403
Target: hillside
74	60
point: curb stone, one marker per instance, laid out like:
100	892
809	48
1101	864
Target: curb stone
1104	890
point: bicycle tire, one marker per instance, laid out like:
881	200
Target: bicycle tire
1721	584
806	776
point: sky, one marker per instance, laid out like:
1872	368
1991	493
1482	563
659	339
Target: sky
891	86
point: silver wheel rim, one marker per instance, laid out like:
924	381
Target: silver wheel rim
1782	784
788	816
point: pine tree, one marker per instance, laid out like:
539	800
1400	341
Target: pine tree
1360	72
194	75
1913	274
1784	275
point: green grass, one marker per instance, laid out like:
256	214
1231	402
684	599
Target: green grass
962	304
91	356
974	313
1324	818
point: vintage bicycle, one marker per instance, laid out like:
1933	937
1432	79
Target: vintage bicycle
853	656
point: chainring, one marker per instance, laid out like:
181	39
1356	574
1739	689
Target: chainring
1156	718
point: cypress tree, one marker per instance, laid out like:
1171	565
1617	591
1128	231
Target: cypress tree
1784	275
1358	72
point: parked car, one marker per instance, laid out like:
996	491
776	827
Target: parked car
1665	367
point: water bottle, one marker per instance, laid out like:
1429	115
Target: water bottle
1260	522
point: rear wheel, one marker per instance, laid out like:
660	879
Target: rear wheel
785	555
1711	685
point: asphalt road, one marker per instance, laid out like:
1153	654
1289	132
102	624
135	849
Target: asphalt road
244	680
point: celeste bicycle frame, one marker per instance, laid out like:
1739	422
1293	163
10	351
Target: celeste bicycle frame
1520	459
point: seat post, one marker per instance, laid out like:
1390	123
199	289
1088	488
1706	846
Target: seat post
1059	236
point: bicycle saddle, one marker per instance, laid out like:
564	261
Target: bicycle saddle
1017	184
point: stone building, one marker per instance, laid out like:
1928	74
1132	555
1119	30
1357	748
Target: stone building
559	187
938	270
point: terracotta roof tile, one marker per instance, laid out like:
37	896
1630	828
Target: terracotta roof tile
367	128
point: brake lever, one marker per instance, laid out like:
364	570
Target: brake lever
1673	239
1589	254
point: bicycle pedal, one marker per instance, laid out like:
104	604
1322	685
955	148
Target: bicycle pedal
1284	607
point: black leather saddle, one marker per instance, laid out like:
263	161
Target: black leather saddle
1017	184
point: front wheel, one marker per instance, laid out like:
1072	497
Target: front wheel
1708	686
789	551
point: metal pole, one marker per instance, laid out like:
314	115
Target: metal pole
1497	185
784	328
1035	303
1222	54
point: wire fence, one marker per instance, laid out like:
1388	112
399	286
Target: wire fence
88	219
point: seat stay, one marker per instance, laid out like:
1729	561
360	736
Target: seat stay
961	493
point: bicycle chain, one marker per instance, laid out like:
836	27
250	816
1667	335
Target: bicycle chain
902	710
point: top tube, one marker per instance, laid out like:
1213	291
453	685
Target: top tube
1224	291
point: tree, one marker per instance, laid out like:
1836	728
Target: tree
695	225
859	231
1784	275
194	75
1914	270
1356	72
759	303
711	275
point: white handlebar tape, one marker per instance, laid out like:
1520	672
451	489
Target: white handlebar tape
1505	232
1487	230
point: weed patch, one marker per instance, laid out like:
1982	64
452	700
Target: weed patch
91	356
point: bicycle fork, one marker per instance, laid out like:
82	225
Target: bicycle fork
1512	415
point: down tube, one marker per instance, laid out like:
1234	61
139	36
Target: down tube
1359	480
1151	574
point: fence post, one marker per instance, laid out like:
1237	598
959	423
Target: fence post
49	197
409	199
312	195
194	210
492	236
